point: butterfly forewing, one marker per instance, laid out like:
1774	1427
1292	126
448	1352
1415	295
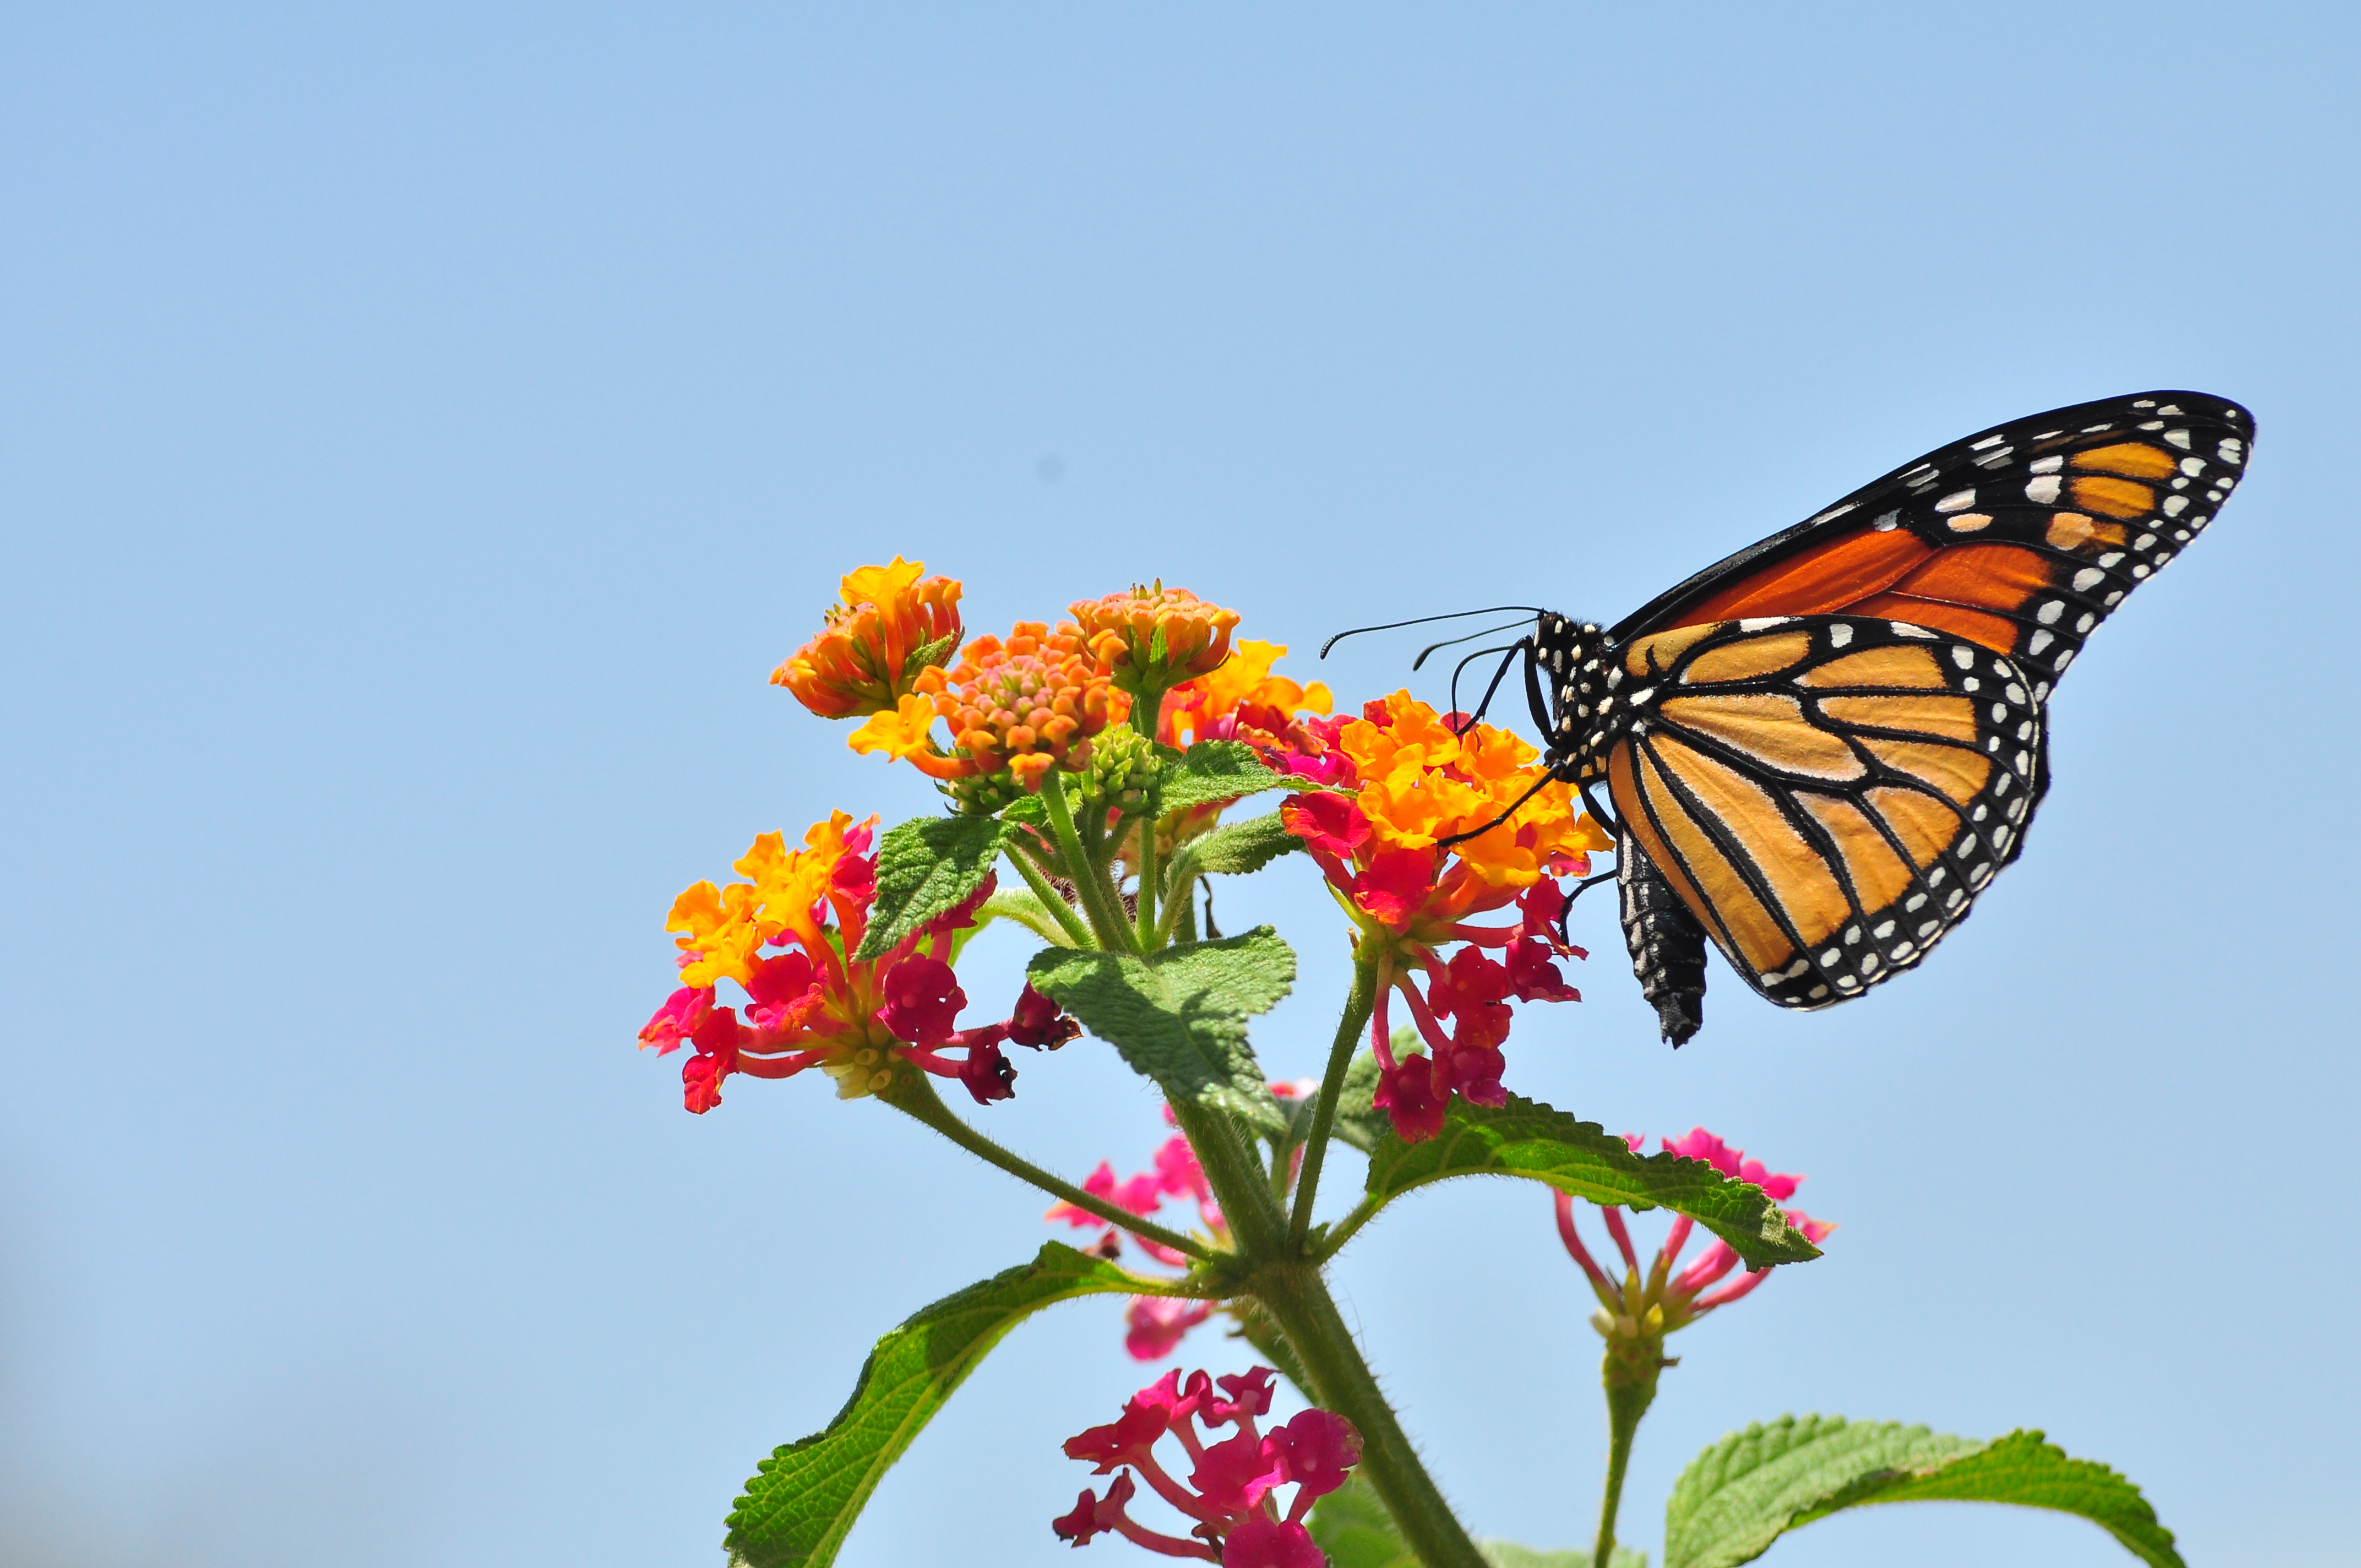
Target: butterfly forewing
2020	540
1827	793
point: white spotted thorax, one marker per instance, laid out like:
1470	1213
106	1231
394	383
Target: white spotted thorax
1586	710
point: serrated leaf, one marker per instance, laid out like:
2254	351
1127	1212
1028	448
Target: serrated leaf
1235	849
1178	1016
1752	1486
1218	770
926	866
802	1502
1528	1139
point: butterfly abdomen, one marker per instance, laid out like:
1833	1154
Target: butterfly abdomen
1666	942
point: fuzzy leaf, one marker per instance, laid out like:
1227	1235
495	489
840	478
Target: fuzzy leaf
926	866
1744	1492
1180	1016
1216	770
1527	1138
802	1502
1236	847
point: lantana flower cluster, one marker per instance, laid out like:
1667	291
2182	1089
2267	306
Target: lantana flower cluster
1419	778
890	625
1231	1493
809	1001
1646	1304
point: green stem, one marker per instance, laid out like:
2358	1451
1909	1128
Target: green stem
1090	878
1359	1004
1257	1328
1632	1365
1059	908
1343	1229
1299	1301
1145	928
916	1098
1296	1298
1147	710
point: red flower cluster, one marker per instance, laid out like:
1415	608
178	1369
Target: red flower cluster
1231	1486
1418	780
811	1002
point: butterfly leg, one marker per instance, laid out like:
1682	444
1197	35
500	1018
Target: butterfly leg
1666	942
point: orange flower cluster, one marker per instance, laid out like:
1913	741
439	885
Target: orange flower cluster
869	653
1152	639
1027	704
1420	782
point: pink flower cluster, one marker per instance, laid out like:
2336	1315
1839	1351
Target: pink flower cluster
1231	1489
1685	1296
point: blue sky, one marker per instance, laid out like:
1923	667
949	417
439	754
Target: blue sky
425	428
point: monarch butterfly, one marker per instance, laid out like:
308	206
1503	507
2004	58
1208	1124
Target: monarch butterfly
1822	749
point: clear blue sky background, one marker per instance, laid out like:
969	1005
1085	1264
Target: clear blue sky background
423	428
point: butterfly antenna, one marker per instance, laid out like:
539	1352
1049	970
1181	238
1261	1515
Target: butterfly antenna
1455	642
1498	676
1427	619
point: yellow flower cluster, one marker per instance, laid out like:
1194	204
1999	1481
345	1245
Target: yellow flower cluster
726	927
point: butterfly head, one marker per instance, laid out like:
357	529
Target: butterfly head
1572	659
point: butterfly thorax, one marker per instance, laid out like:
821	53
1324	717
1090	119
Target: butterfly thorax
1574	659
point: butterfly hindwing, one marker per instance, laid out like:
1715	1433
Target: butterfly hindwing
1827	794
2020	540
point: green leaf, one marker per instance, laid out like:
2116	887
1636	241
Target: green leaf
1353	1527
802	1502
1527	1138
1236	847
1218	770
1180	1016
934	653
924	867
1744	1492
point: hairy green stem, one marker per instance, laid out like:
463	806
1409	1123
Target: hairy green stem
1180	898
1098	898
1299	1301
1290	1290
1633	1363
1359	1004
1060	910
916	1098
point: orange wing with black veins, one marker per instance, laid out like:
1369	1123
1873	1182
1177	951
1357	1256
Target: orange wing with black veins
2020	540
